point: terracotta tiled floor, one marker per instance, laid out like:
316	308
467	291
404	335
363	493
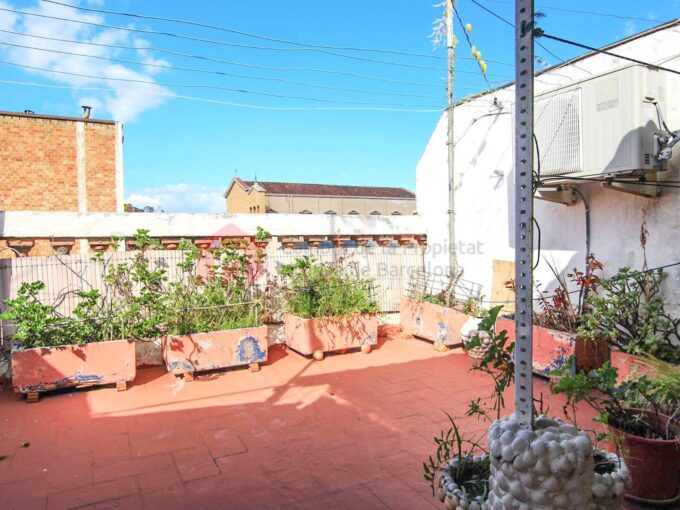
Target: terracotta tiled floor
348	432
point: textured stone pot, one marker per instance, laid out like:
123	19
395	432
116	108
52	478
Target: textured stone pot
436	323
186	354
552	349
609	488
654	464
48	368
452	490
328	334
550	466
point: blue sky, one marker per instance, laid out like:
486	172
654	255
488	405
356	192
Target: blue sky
181	154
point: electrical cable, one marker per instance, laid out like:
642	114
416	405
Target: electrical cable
225	103
222	73
212	87
541	33
467	37
247	34
224	43
590	13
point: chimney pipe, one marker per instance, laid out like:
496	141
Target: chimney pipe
86	111
29	111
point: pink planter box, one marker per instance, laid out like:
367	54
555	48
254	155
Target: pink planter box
48	368
326	334
436	323
552	349
186	354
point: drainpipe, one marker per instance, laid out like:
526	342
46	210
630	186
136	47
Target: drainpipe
586	208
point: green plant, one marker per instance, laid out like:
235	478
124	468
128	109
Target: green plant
317	289
631	314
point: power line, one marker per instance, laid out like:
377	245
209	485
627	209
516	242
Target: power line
590	13
496	15
213	87
227	103
222	73
224	43
467	37
247	34
541	33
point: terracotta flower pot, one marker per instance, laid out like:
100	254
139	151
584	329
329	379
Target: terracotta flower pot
552	349
654	464
328	334
436	323
47	368
186	354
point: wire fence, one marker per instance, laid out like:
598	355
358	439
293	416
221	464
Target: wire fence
447	289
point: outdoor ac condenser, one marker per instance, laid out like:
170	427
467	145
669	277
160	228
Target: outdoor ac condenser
602	125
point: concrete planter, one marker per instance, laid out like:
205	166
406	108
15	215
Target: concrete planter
330	334
436	323
550	466
186	354
552	349
454	492
47	368
609	488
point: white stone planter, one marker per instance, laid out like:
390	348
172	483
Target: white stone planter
451	491
468	331
550	466
609	488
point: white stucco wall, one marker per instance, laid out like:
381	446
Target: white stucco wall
70	224
484	190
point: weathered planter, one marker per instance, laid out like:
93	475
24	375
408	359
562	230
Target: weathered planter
609	483
552	349
628	364
186	354
654	464
330	334
47	368
436	323
455	493
550	466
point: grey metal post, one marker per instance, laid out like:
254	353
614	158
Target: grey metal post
524	196
450	44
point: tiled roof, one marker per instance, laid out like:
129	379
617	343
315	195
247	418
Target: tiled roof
292	188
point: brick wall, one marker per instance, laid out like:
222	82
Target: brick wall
39	164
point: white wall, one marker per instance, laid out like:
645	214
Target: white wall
484	191
70	224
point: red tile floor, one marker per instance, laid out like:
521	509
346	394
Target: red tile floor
350	431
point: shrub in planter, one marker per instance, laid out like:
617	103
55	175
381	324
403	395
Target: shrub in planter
328	307
52	351
438	319
647	437
216	320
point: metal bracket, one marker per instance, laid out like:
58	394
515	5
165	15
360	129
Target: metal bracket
524	196
559	194
648	188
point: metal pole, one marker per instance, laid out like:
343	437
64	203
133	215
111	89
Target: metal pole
524	208
450	139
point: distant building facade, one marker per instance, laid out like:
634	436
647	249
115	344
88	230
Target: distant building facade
258	197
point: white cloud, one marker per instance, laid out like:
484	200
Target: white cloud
126	101
181	197
629	28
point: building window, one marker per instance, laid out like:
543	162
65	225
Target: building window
258	209
330	212
353	213
396	213
375	213
305	211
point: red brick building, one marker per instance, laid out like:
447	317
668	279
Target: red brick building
50	163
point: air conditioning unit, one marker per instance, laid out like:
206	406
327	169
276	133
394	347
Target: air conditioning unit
605	125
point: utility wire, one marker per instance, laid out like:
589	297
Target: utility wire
590	13
227	103
513	26
224	43
213	87
222	73
247	34
467	37
541	33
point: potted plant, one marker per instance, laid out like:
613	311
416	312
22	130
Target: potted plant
434	312
52	351
558	340
648	438
215	320
329	308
